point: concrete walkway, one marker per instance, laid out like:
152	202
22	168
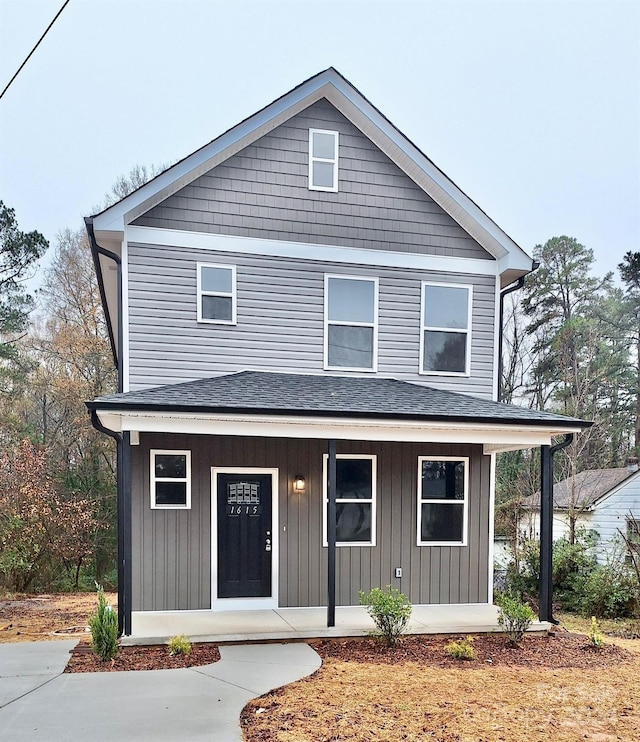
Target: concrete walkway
38	702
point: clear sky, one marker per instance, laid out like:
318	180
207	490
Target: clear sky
531	107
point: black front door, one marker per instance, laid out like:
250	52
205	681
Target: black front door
244	535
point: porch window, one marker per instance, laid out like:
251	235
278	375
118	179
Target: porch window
351	323
323	160
355	499
443	485
217	293
170	481
446	329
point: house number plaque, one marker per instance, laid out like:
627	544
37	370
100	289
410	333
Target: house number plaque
243	498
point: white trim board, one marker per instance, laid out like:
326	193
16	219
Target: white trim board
309	251
494	437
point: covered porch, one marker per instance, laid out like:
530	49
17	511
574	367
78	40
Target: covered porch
291	624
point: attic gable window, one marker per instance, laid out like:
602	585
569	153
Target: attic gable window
217	293
445	339
323	160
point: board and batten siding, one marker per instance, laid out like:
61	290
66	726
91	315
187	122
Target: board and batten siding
171	565
280	319
262	191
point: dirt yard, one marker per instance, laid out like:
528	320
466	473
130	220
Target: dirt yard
31	618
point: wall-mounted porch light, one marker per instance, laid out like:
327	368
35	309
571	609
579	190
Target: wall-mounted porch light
299	484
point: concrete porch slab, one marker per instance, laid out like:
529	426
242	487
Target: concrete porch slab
291	624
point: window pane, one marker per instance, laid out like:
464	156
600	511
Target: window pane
443	480
217	307
351	301
171	493
354	479
442	522
353	521
446	307
445	351
324	145
350	347
322	174
216	279
171	465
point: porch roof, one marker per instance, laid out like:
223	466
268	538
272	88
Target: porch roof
323	406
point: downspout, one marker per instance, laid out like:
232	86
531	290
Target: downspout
514	287
545	608
123	466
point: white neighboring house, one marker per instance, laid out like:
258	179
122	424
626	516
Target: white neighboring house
608	501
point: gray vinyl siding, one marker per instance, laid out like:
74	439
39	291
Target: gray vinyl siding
172	548
262	191
280	319
610	516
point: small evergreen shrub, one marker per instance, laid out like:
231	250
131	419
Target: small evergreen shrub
390	611
461	650
595	635
179	645
515	617
104	629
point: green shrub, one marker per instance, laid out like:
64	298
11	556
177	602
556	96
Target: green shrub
104	629
461	650
515	617
179	645
595	635
390	611
610	591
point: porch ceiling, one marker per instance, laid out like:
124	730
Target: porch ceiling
263	404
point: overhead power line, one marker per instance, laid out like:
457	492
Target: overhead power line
34	48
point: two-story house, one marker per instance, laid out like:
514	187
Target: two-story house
305	316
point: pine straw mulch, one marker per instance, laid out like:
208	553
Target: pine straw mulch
554	687
154	657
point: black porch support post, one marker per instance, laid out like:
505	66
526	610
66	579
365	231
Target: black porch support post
331	537
546	534
125	523
545	611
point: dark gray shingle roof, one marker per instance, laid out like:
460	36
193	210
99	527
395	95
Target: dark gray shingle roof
296	394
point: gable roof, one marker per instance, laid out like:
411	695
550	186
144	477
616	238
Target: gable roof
329	84
584	490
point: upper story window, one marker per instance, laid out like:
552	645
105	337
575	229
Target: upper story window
445	339
443	487
217	293
351	323
323	160
355	499
170	479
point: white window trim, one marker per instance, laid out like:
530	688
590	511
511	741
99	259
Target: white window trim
467	331
374	324
153	479
232	294
332	160
374	488
464	503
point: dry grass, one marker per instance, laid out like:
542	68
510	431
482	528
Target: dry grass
358	702
30	618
